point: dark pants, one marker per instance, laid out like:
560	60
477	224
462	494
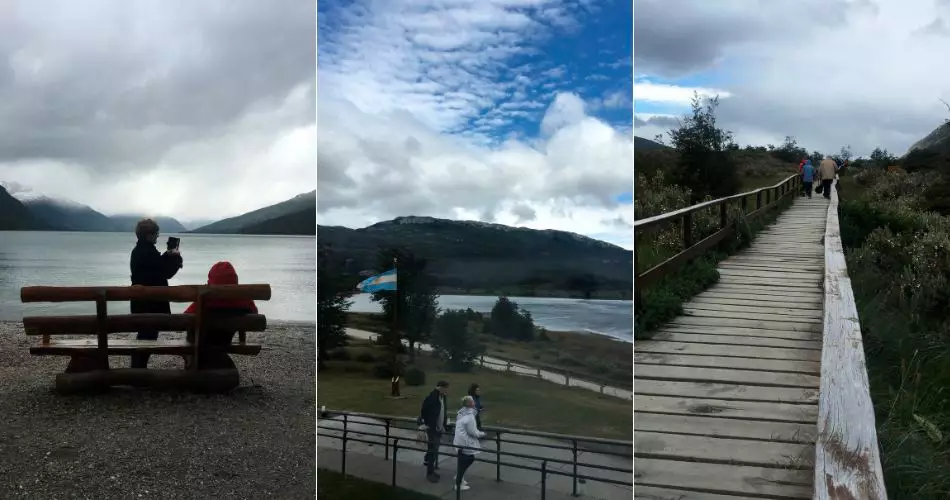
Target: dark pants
478	421
434	439
826	187
465	460
808	185
141	360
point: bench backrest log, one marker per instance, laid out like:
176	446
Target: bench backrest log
102	324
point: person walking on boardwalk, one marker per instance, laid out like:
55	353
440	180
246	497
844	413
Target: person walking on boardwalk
150	268
808	177
433	417
476	393
827	170
466	438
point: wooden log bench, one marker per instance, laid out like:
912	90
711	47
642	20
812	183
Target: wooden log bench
88	368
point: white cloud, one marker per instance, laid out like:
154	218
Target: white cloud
647	91
410	128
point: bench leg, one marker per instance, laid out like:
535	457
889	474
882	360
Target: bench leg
211	361
86	363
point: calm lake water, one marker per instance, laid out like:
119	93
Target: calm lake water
613	318
287	263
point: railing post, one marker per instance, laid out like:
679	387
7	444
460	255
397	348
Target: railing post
343	458
388	421
498	456
544	477
745	205
723	215
687	230
574	465
758	200
395	450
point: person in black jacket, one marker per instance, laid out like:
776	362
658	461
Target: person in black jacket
150	268
434	416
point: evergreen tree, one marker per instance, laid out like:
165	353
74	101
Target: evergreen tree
331	305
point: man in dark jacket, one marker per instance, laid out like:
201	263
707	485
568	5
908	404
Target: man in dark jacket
150	268
435	417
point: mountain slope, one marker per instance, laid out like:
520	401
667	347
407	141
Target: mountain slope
68	216
166	225
302	222
15	216
640	143
467	255
234	225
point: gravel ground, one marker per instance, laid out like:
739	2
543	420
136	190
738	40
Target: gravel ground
257	442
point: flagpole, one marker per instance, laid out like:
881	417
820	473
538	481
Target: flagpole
396	340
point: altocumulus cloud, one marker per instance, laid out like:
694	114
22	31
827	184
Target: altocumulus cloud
829	72
418	109
191	109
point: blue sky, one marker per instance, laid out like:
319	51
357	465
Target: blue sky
491	110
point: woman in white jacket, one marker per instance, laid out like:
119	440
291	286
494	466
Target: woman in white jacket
467	438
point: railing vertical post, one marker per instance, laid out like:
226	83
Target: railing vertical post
723	215
544	477
388	422
745	205
574	465
498	456
395	451
343	458
687	230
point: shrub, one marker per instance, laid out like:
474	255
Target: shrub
366	357
510	321
455	341
415	377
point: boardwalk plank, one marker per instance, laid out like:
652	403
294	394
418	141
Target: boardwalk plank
725	427
763	352
651	493
749	332
768	365
747	323
754	310
777	317
728	392
724	479
748	410
723	450
724	375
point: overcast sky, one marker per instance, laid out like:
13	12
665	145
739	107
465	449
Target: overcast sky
864	73
194	109
511	111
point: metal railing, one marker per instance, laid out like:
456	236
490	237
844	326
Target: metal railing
577	444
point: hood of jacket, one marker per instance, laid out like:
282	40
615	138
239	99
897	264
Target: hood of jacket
464	411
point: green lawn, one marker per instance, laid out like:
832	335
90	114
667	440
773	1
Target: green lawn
333	485
510	400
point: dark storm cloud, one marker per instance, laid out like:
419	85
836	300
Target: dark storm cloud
114	85
656	121
675	38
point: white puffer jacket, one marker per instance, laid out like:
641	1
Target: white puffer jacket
466	432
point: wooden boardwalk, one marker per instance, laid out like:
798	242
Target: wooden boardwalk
726	396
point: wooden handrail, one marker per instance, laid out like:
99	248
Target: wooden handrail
790	186
847	458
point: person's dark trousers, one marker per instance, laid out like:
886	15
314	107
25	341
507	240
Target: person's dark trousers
826	187
141	360
434	438
465	460
478	421
808	187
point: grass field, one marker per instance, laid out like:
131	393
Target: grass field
333	485
510	400
585	355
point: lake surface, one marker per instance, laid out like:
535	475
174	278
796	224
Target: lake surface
613	318
286	263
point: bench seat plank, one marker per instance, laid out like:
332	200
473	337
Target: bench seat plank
130	323
71	347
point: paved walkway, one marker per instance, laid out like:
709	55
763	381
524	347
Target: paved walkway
367	461
520	369
727	394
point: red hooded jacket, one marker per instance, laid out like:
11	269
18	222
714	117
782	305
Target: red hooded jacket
223	273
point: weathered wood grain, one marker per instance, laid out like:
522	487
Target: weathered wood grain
724	375
744	351
748	410
749	332
764	482
723	450
768	365
725	427
747	323
652	493
847	459
734	392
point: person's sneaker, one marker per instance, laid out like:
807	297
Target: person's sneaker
464	487
464	482
433	478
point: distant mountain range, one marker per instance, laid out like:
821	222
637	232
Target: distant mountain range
290	215
477	257
642	143
28	211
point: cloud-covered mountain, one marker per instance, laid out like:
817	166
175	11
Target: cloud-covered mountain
14	216
66	215
167	225
287	213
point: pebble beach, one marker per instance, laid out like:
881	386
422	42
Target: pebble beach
256	442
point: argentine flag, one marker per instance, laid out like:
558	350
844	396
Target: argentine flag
380	283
